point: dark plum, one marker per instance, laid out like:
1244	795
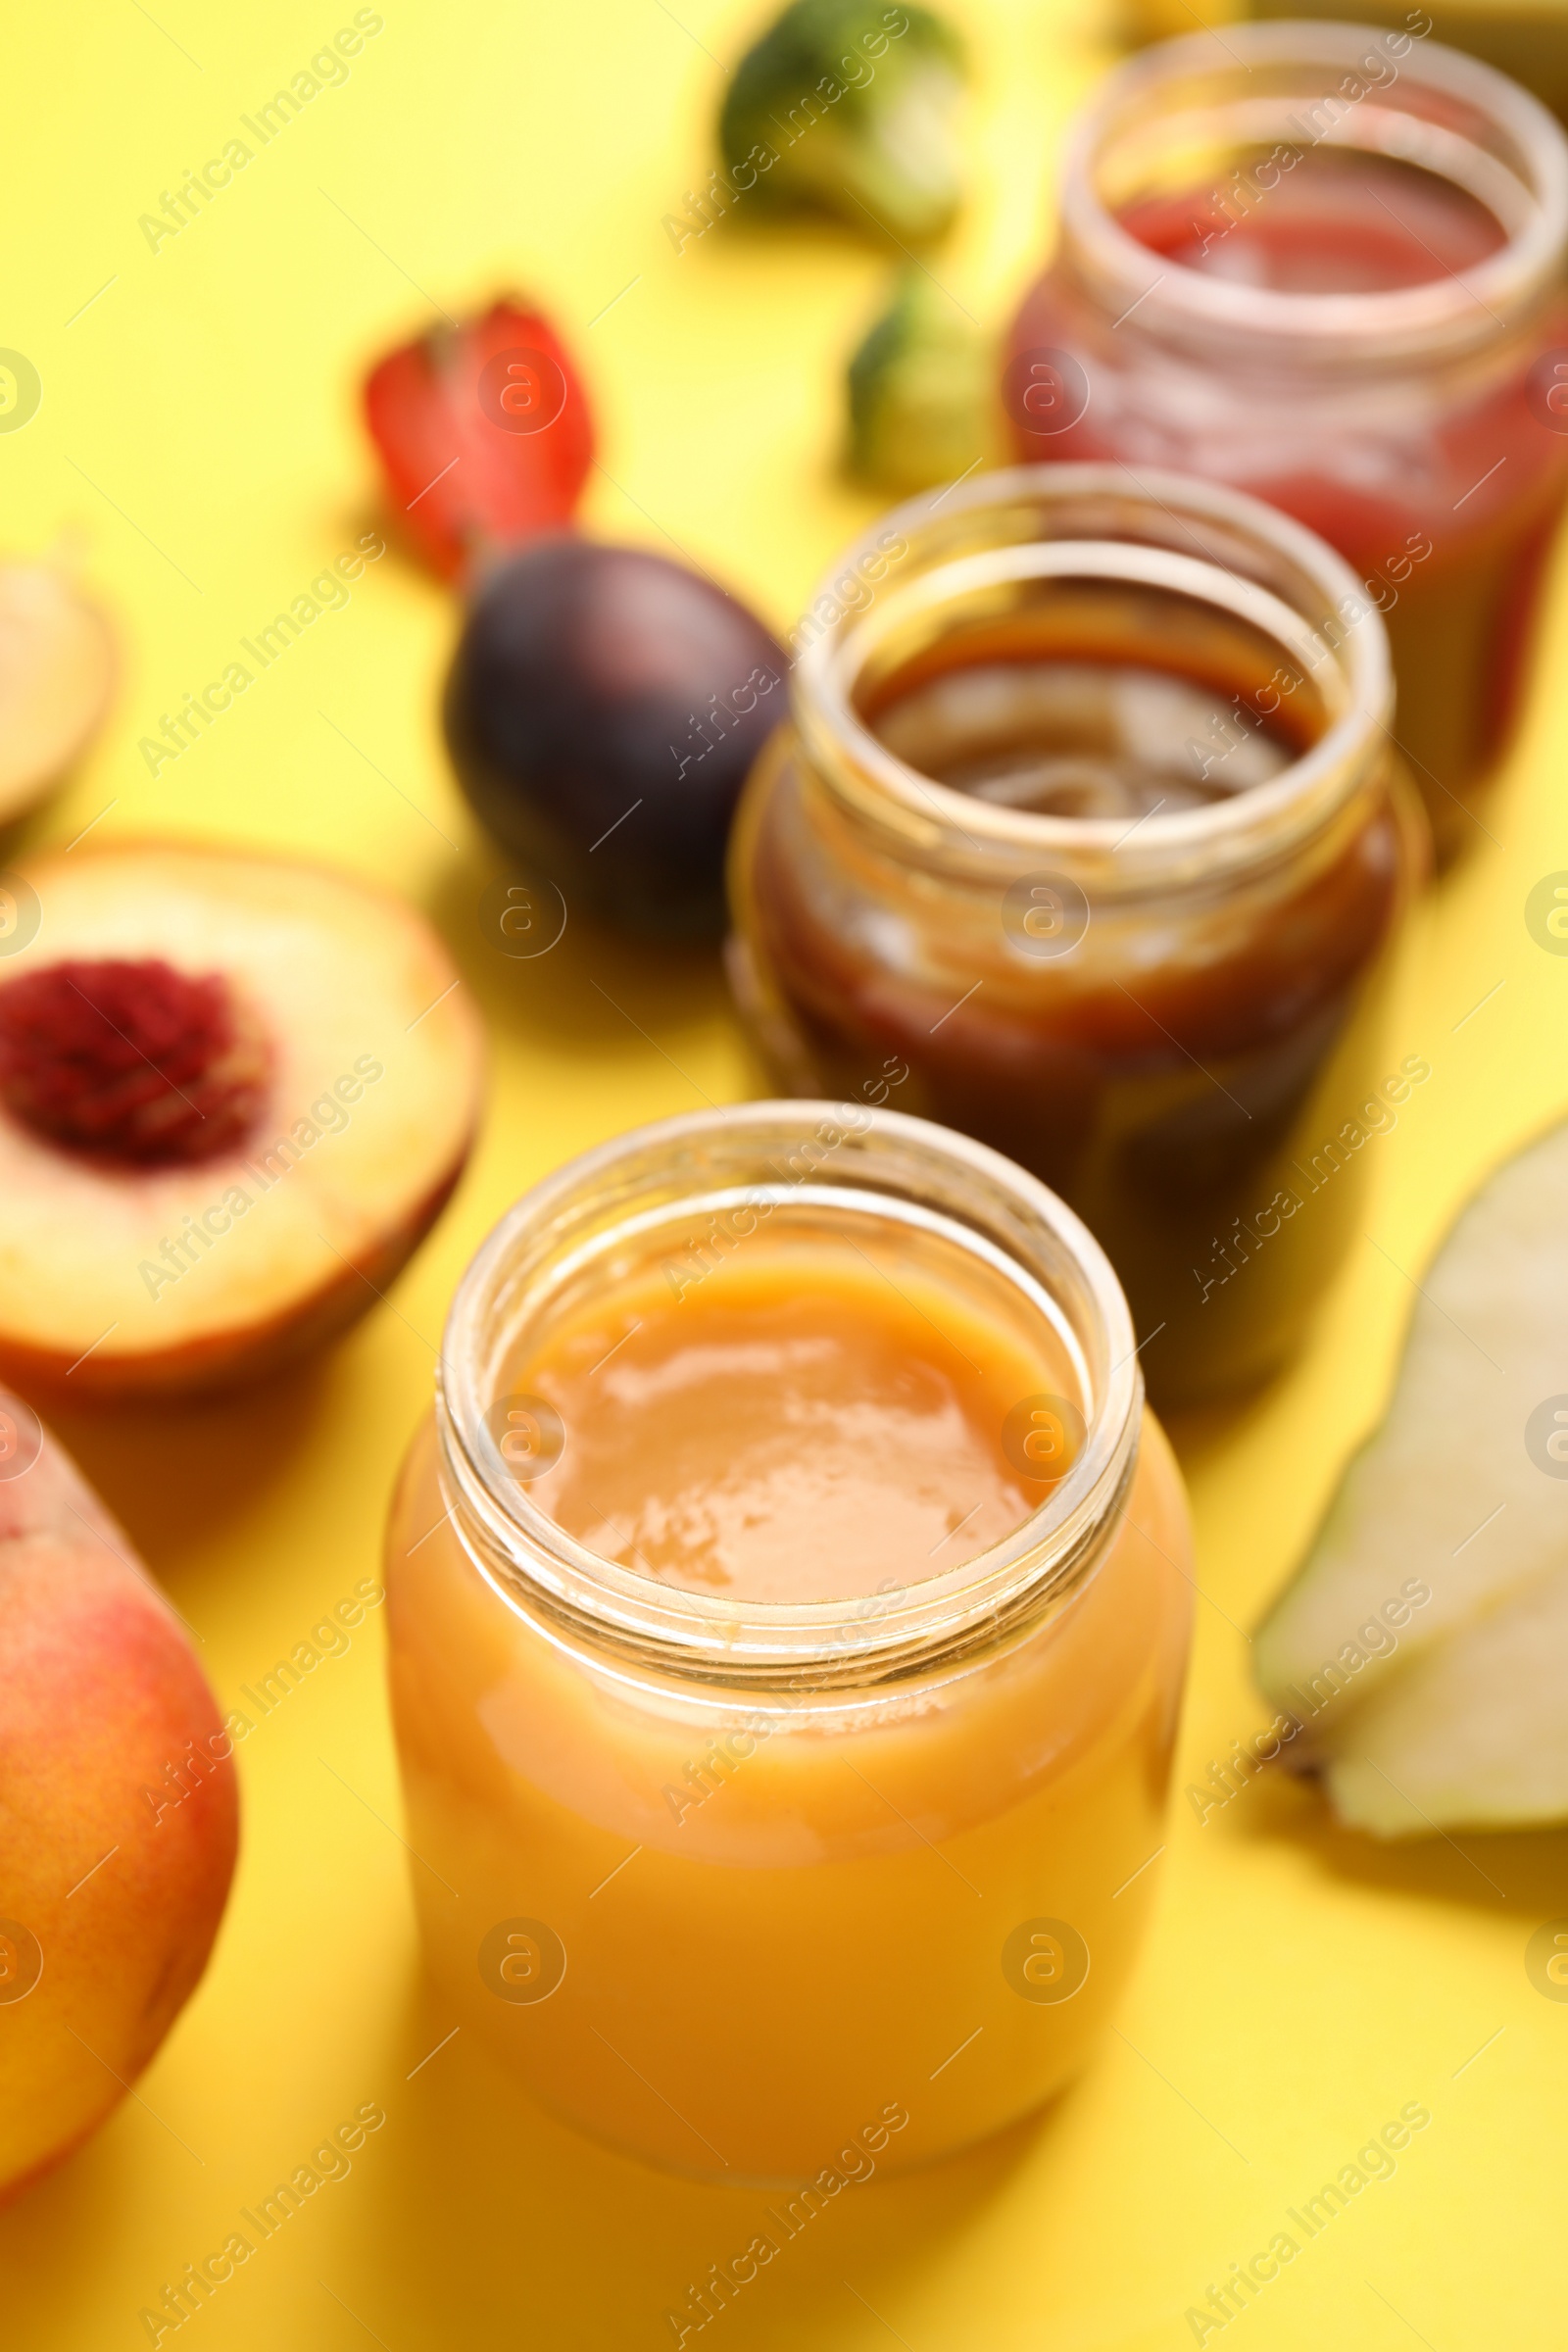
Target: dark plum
603	710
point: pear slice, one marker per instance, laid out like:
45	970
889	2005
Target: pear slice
1422	1645
1473	1733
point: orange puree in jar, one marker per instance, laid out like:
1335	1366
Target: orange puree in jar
805	1426
788	1606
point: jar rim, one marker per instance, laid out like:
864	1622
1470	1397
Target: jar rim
1237	831
594	1604
1449	312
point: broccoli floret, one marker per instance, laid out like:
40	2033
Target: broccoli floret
921	400
850	106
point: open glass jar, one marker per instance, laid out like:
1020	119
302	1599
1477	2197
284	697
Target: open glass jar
763	1887
1323	262
1087	825
1526	39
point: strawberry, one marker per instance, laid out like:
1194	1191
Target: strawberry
483	432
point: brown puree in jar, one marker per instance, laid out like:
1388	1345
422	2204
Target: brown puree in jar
1178	1062
1097	702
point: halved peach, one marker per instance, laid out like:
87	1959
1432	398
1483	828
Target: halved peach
56	667
235	1092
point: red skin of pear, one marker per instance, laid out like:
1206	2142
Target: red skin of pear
483	432
100	1692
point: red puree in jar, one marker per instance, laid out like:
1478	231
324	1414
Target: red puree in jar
1338	222
1085	840
1433	463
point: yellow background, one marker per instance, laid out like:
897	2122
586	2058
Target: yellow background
199	429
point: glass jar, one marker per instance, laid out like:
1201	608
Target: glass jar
1086	828
1524	38
1323	264
765	1889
